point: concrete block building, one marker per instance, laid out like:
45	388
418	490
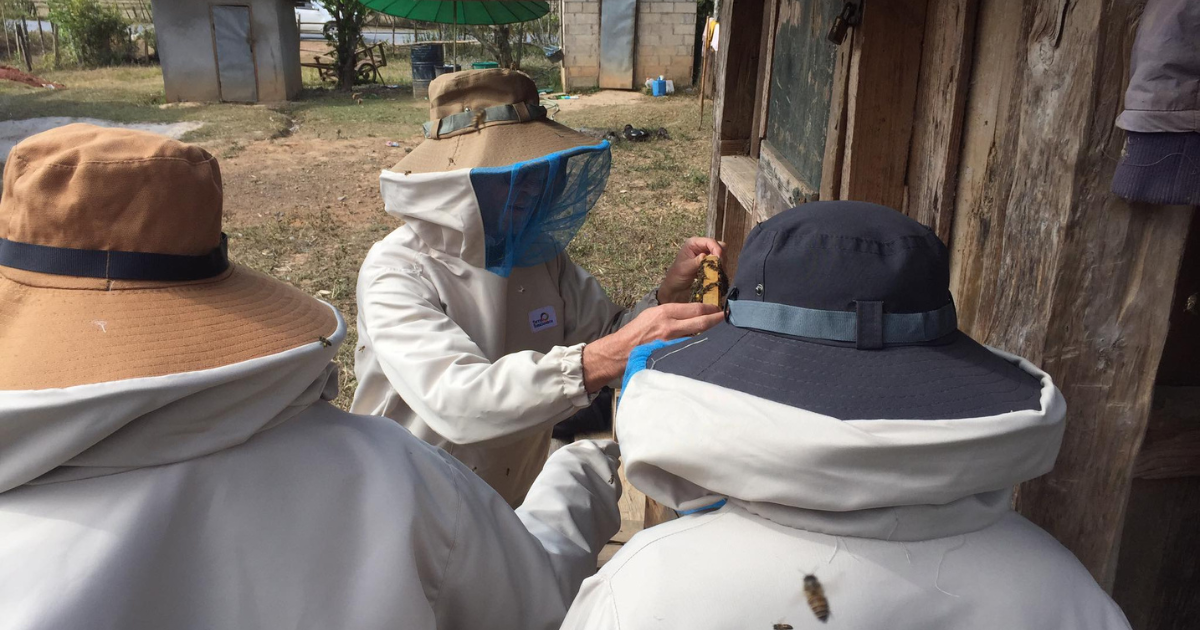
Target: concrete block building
663	43
245	51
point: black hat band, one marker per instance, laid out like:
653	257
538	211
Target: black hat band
868	327
89	263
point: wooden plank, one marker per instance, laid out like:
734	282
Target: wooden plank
1158	580
715	220
1171	447
984	183
738	173
739	146
779	177
737	226
766	57
768	200
802	84
940	104
835	132
1049	265
733	101
884	65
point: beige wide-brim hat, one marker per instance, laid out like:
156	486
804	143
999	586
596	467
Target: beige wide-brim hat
112	266
486	118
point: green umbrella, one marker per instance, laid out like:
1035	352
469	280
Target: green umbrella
475	12
463	11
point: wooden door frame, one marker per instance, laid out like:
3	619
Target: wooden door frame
212	29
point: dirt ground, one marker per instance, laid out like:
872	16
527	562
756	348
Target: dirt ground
9	73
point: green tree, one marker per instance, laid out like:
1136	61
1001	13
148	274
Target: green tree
348	18
497	42
97	34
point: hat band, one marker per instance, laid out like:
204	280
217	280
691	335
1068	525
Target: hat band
90	263
514	113
868	327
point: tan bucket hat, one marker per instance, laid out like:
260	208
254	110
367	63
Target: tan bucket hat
486	118
113	266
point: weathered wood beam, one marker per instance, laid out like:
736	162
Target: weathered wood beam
940	106
835	129
884	64
1050	265
766	58
737	223
735	89
738	173
779	186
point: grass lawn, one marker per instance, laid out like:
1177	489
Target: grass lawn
301	178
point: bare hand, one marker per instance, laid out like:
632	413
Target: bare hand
676	286
605	358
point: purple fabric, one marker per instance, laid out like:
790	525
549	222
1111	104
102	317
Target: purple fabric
1160	168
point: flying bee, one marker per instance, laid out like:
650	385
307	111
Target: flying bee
815	594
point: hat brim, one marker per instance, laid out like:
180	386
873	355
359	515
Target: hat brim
954	378
61	332
496	145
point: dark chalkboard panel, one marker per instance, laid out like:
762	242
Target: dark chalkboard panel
802	84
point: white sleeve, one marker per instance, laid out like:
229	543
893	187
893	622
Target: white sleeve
594	608
522	570
590	315
446	379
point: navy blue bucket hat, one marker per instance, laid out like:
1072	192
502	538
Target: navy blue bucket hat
844	309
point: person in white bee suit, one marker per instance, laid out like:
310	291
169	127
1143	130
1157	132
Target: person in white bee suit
169	457
476	331
843	455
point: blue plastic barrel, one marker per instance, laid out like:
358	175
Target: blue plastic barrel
658	87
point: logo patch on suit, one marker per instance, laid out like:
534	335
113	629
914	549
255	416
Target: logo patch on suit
542	318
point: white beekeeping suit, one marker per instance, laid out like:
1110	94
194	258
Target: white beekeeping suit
472	320
169	457
839	431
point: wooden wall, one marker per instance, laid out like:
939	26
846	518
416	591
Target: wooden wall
992	121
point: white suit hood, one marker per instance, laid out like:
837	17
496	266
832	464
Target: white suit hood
440	209
899	479
907	524
479	364
104	428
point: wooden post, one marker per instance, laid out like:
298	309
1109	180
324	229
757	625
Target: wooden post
736	72
20	49
8	47
766	56
1048	264
54	36
1157	581
41	32
129	11
23	45
940	106
704	69
882	90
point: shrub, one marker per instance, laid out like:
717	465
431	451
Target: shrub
96	33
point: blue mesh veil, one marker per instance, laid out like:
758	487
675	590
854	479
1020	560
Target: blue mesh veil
531	210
